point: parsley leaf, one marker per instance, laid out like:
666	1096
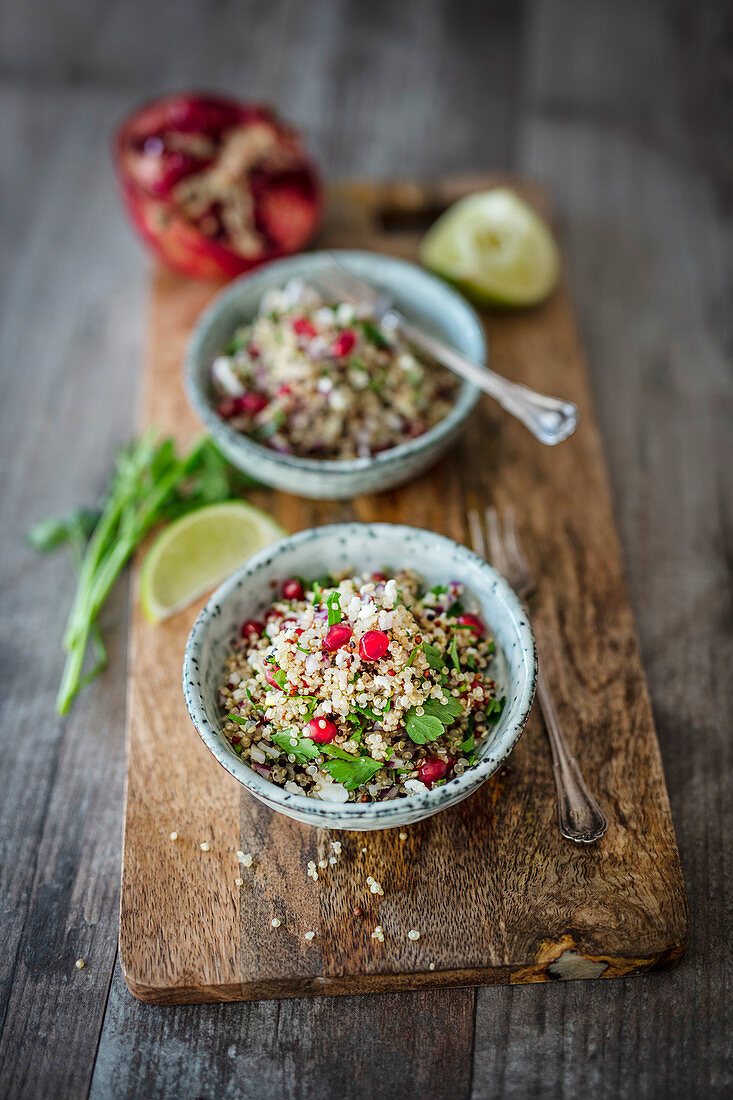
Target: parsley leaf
470	743
413	655
471	662
422	727
280	677
333	603
453	654
252	700
354	772
434	657
303	750
438	590
493	709
455	609
445	710
237	718
373	334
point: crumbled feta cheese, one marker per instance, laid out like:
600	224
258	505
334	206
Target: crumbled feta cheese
414	786
225	378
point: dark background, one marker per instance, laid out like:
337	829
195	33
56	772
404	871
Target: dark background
623	109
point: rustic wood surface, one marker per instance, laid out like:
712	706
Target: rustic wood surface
624	110
496	892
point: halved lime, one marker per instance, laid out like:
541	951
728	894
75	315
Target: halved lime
495	248
198	551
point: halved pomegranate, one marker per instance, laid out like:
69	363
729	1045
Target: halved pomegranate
216	186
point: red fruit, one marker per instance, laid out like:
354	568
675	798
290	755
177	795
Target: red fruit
293	590
344	343
379	578
373	645
337	636
199	219
250	627
270	676
322	730
273	613
249	404
431	769
303	327
477	625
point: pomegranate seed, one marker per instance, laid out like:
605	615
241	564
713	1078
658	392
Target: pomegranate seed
249	404
476	624
252	403
270	677
253	350
251	626
304	327
373	645
228	408
344	343
321	730
337	636
273	613
379	578
293	590
431	769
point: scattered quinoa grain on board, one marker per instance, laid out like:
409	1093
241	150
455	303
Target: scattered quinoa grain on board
80	964
324	380
360	688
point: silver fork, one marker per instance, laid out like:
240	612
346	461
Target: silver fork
549	419
579	815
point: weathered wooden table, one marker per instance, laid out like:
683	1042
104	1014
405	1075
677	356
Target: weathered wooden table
621	109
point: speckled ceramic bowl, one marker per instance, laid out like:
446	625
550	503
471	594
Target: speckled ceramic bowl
422	297
362	546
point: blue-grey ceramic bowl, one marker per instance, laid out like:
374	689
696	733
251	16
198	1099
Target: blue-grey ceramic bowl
422	297
362	546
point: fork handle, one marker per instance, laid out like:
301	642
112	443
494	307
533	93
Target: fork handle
548	418
580	817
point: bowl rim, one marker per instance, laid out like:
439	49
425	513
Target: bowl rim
388	812
468	394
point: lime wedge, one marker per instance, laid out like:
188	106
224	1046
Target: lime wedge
198	551
495	248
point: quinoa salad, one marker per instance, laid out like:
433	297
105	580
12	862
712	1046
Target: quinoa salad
319	379
361	688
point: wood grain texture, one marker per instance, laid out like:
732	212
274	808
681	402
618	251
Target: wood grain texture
496	893
623	109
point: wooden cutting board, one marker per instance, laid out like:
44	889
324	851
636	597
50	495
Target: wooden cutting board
495	892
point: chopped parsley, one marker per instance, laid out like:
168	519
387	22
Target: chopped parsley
352	773
413	655
470	743
333	603
453	654
438	590
373	334
237	718
431	725
303	750
252	700
434	657
280	677
455	608
493	709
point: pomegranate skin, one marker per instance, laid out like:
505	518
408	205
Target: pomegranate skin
287	200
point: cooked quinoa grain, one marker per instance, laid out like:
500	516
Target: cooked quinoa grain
324	380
